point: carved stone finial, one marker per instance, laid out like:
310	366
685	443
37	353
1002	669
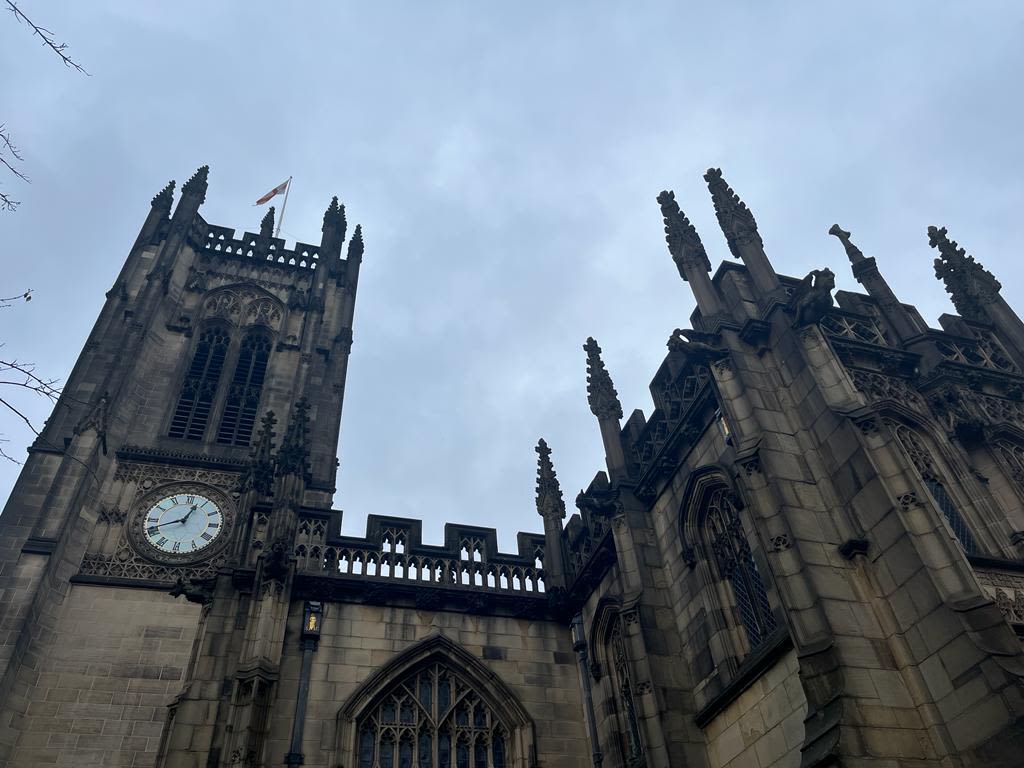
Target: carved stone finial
734	217
549	493
259	475
293	457
267	225
683	241
164	198
968	283
334	218
601	394
854	253
355	245
197	184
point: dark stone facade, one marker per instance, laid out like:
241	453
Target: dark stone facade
810	553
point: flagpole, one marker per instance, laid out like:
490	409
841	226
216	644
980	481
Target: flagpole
280	219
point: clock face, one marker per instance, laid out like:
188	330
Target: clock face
183	523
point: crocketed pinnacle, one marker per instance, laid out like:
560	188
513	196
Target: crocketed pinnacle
549	493
334	218
267	225
601	394
735	219
854	253
197	184
355	245
293	457
968	283
683	241
259	475
165	197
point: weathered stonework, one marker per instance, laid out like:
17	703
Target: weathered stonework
808	554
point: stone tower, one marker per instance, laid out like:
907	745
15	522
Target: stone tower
810	553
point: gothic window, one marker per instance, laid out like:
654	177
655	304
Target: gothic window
727	541
200	386
1012	456
433	718
622	690
923	462
243	398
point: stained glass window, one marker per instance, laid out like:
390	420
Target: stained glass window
432	718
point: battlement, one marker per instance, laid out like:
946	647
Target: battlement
250	246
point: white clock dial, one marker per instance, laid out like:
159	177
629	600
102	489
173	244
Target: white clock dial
183	523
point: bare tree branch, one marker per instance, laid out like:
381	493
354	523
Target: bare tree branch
46	36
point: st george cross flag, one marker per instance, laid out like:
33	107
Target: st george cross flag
278	190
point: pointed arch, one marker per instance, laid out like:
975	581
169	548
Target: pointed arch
416	700
199	387
246	388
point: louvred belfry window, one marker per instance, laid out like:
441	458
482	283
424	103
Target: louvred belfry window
433	719
923	462
736	564
200	386
243	398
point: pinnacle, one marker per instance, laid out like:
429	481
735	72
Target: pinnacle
968	283
293	457
334	217
683	241
355	245
549	493
197	183
852	251
164	197
267	225
601	394
735	219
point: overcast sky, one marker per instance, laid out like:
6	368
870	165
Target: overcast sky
503	159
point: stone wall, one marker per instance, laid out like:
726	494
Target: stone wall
764	725
113	662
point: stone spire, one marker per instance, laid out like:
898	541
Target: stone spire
968	283
197	184
164	198
267	225
334	218
734	217
683	241
293	457
854	253
355	246
601	394
549	493
259	475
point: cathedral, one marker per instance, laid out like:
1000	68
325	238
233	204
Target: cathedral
810	553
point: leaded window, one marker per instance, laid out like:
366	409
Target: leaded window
735	560
200	386
923	462
433	718
622	684
244	392
1012	456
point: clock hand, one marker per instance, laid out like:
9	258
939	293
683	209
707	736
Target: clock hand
172	522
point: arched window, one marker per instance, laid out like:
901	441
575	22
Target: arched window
923	462
433	718
1012	456
200	386
243	398
727	541
622	689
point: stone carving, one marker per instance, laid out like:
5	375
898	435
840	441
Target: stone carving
852	251
549	493
907	500
601	394
969	284
878	386
781	542
734	217
683	241
259	474
696	345
812	298
264	312
147	475
293	458
96	419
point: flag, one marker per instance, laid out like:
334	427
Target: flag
278	190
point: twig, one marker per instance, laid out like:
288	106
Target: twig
46	36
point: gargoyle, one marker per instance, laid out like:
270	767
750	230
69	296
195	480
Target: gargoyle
194	590
812	298
696	345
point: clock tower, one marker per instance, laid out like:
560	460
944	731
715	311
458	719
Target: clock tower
145	478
